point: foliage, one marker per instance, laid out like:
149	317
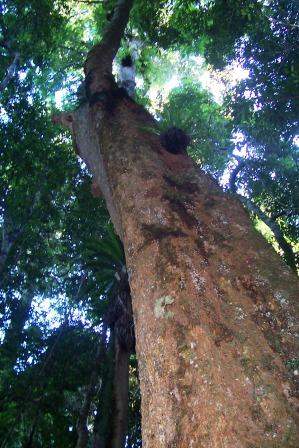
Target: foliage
59	257
194	110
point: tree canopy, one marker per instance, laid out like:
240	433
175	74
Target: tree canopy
226	72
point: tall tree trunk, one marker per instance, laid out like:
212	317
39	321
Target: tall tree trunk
213	304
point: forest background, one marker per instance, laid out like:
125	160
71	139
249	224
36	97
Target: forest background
227	73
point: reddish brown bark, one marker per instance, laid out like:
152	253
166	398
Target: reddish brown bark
214	306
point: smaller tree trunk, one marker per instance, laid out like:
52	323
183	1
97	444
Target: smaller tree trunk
120	397
82	428
102	420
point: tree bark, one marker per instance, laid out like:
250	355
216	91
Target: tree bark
82	426
214	306
119	409
102	423
120	320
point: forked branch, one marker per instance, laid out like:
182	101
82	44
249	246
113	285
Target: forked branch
101	56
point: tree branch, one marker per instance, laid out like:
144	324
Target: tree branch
234	174
101	56
253	208
90	2
10	71
283	23
274	227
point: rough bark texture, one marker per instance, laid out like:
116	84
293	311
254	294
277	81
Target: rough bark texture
213	304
